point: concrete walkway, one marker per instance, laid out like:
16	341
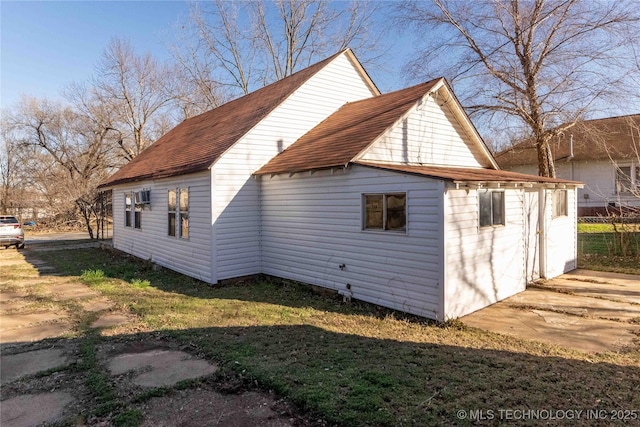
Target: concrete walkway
586	310
39	388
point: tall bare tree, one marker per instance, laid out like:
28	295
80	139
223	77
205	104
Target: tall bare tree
138	88
244	45
10	182
536	64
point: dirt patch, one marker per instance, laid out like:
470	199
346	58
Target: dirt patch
210	408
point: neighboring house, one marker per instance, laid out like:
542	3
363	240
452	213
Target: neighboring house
392	199
604	154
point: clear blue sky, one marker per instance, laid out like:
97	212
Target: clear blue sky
47	44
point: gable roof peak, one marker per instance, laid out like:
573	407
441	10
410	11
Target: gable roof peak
198	142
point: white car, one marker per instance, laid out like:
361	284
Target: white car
11	232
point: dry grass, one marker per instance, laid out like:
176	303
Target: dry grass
357	364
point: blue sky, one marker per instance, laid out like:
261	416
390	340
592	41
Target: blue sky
47	44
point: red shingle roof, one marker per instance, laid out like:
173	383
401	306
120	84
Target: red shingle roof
469	174
617	138
348	131
195	144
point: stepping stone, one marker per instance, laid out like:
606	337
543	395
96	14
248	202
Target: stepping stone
34	409
167	367
12	321
96	304
19	365
109	320
67	291
9	297
34	333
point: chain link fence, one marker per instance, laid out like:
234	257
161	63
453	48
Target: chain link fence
609	236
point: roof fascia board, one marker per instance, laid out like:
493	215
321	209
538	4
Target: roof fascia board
398	122
466	123
363	73
353	61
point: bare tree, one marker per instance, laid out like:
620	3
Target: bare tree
138	88
10	183
64	154
536	64
244	45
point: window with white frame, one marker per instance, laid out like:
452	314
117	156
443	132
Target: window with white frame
127	209
627	178
491	208
385	212
559	203
132	211
178	213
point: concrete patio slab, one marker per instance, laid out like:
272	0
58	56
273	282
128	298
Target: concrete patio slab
15	366
166	367
578	305
584	334
612	292
33	409
584	310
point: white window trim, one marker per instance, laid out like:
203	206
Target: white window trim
634	170
384	230
504	209
178	214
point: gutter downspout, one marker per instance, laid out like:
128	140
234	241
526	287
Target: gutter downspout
571	156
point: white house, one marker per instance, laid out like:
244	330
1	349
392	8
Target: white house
604	154
392	199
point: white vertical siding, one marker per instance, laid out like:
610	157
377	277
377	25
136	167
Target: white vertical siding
483	264
191	257
429	135
311	224
236	194
560	236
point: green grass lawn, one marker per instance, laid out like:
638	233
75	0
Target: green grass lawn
357	364
606	227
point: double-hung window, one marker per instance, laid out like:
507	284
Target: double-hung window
128	204
178	213
627	179
491	208
386	212
132	211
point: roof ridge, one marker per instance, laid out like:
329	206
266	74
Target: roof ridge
203	139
